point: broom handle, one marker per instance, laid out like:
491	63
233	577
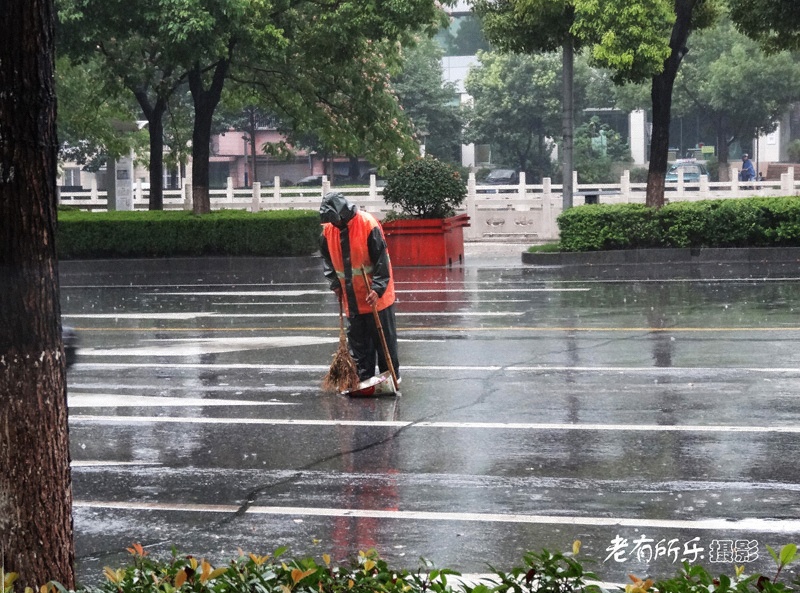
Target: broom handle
341	314
380	333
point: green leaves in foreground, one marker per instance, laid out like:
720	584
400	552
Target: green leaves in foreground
543	572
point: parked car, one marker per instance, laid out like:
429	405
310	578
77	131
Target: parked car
692	170
310	181
500	177
70	339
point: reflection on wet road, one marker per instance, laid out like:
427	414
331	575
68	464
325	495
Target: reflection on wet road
654	421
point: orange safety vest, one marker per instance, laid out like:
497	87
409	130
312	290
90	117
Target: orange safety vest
359	229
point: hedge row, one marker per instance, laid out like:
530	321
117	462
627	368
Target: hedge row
544	572
746	222
86	235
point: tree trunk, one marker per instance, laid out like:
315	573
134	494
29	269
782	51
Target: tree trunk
723	148
568	61
354	170
155	127
156	199
661	94
252	131
205	103
36	538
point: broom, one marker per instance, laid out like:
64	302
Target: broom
343	374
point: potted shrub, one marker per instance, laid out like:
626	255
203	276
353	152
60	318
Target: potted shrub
426	231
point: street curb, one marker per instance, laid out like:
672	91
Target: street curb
745	262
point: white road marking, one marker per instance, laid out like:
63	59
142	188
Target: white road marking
161	388
117	400
197	346
749	525
400	302
304	368
98	463
183	316
650	428
186	316
400	292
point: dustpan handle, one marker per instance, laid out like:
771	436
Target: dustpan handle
380	333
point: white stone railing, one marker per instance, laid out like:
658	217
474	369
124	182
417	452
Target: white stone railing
519	212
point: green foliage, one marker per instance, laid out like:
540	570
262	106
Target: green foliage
517	107
545	248
425	188
598	227
630	38
597	148
543	572
775	24
468	40
546	572
526	26
639	175
321	67
88	106
733	87
428	101
752	222
87	235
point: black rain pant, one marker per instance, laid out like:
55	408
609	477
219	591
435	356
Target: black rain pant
365	342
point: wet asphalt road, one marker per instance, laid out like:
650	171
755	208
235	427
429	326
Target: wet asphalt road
654	421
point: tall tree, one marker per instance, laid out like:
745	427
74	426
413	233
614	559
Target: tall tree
112	31
644	39
36	539
735	88
637	39
530	26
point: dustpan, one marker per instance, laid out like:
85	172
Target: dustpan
374	386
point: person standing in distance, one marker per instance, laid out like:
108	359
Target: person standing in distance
748	172
352	241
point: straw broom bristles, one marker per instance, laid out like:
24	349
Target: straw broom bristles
343	374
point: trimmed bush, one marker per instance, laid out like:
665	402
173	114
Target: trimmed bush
425	188
87	235
747	222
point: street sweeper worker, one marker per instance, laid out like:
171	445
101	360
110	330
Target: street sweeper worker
352	241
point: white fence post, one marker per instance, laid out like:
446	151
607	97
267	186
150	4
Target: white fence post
256	204
547	209
787	181
472	207
187	196
373	188
625	186
522	193
734	179
229	189
93	193
326	185
276	190
704	188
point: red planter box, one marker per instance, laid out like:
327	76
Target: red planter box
426	241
